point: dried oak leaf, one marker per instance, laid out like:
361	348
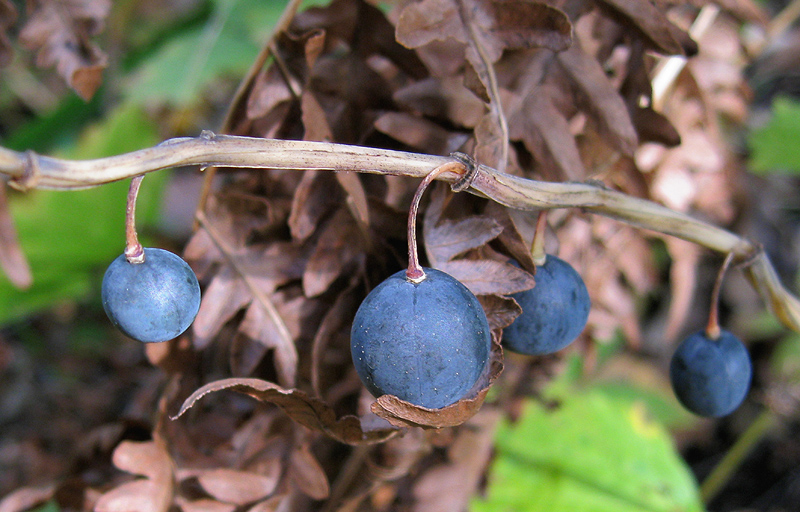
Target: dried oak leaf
155	492
404	414
236	487
308	411
61	30
8	16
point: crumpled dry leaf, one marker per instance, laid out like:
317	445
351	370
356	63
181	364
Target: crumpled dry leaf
404	414
60	31
155	492
310	412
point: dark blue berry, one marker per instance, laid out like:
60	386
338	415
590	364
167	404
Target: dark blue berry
426	343
156	300
554	312
711	377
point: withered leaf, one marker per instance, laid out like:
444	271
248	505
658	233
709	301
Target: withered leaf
236	487
26	498
259	326
8	16
648	20
500	311
205	505
222	299
308	411
450	238
307	474
653	126
488	277
545	132
442	98
60	31
314	198
149	459
419	133
404	414
500	24
12	259
601	98
314	121
338	249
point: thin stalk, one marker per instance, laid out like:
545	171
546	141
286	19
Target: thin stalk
415	272
712	327
134	252
538	253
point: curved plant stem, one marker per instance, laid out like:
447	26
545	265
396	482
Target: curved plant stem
734	458
712	327
134	252
511	191
415	272
538	253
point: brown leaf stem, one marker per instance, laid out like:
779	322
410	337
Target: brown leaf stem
505	189
415	272
134	252
712	327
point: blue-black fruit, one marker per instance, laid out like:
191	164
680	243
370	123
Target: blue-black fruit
711	377
426	343
156	300
554	312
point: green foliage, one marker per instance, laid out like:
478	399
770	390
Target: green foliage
226	43
596	451
773	146
68	237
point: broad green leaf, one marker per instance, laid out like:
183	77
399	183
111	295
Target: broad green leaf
773	146
226	44
592	453
70	236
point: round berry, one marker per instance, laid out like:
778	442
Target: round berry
554	312
711	377
153	301
424	342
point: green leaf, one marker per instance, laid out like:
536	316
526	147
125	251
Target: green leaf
185	66
68	237
592	453
773	147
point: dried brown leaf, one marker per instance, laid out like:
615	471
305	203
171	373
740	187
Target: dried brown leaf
60	31
500	24
224	297
205	505
500	311
600	98
314	198
149	459
546	134
314	120
236	487
488	277
259	326
419	133
404	414
442	98
451	238
648	19
8	16
310	412
337	251
307	474
26	498
12	259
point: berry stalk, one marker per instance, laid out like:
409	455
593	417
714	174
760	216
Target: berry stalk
134	252
415	273
712	327
537	245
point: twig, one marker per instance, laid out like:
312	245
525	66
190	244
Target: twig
508	190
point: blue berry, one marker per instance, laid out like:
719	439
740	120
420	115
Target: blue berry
426	343
554	312
153	301
711	377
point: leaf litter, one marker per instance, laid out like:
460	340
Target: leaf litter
285	257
